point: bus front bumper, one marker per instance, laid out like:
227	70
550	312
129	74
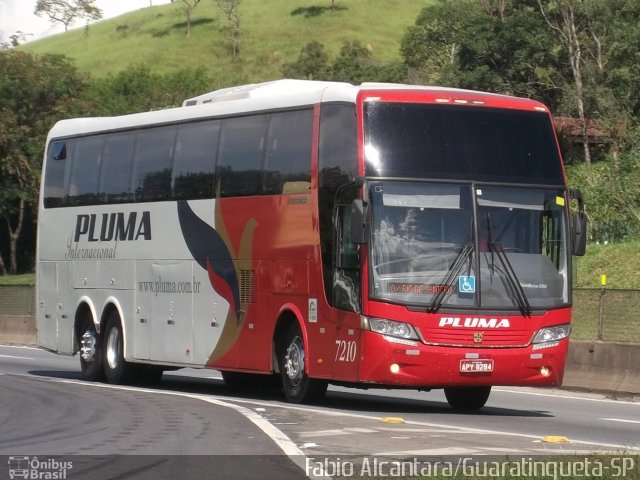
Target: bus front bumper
384	362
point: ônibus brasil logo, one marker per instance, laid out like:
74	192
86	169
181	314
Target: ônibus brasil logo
37	469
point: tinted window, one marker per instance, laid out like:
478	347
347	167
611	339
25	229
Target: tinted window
288	157
83	184
194	162
338	165
338	145
115	171
242	146
458	142
56	171
153	161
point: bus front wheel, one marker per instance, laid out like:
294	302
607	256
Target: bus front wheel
296	384
467	398
116	369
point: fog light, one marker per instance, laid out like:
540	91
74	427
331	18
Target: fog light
545	371
395	368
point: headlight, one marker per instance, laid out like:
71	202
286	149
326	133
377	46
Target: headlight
551	334
391	328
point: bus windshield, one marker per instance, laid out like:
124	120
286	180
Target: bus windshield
459	142
448	245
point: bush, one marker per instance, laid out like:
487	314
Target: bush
611	190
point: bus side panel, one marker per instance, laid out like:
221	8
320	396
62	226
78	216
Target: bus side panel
272	240
65	311
167	313
55	312
46	316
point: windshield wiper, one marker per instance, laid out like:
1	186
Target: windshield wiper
509	274
462	257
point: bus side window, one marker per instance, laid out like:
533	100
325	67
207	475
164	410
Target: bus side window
288	158
195	160
346	276
338	164
115	171
550	236
242	145
83	184
152	164
55	175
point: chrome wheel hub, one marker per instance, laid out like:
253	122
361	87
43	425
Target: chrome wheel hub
88	346
113	348
294	361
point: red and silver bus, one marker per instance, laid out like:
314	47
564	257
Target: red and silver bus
313	232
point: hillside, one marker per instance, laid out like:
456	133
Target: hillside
271	35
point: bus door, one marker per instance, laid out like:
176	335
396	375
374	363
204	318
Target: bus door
346	297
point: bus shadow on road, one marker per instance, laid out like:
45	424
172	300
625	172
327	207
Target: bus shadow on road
350	401
66	374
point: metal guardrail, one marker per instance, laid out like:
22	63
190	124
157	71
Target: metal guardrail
17	300
609	315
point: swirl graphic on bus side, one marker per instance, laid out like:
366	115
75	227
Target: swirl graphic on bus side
212	250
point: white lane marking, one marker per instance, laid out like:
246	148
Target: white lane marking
566	397
341	431
20	347
324	433
621	420
290	449
15	356
451	428
289	446
436	452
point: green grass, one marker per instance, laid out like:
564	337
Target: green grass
271	36
620	262
24	279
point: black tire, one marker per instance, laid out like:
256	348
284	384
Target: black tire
467	398
116	369
90	343
296	384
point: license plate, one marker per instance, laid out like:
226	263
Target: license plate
476	366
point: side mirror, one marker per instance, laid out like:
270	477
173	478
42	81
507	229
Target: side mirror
579	225
579	234
357	222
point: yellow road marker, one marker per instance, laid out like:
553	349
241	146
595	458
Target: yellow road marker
392	420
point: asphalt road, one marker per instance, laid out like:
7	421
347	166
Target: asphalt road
193	424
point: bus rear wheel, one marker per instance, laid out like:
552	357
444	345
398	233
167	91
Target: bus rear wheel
296	384
90	352
116	369
467	398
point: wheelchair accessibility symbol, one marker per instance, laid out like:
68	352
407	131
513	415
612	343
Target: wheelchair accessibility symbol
467	284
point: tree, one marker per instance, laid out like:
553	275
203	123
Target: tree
232	32
68	11
139	89
470	44
34	93
564	17
189	6
495	7
355	64
312	63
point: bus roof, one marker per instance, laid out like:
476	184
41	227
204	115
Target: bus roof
287	93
